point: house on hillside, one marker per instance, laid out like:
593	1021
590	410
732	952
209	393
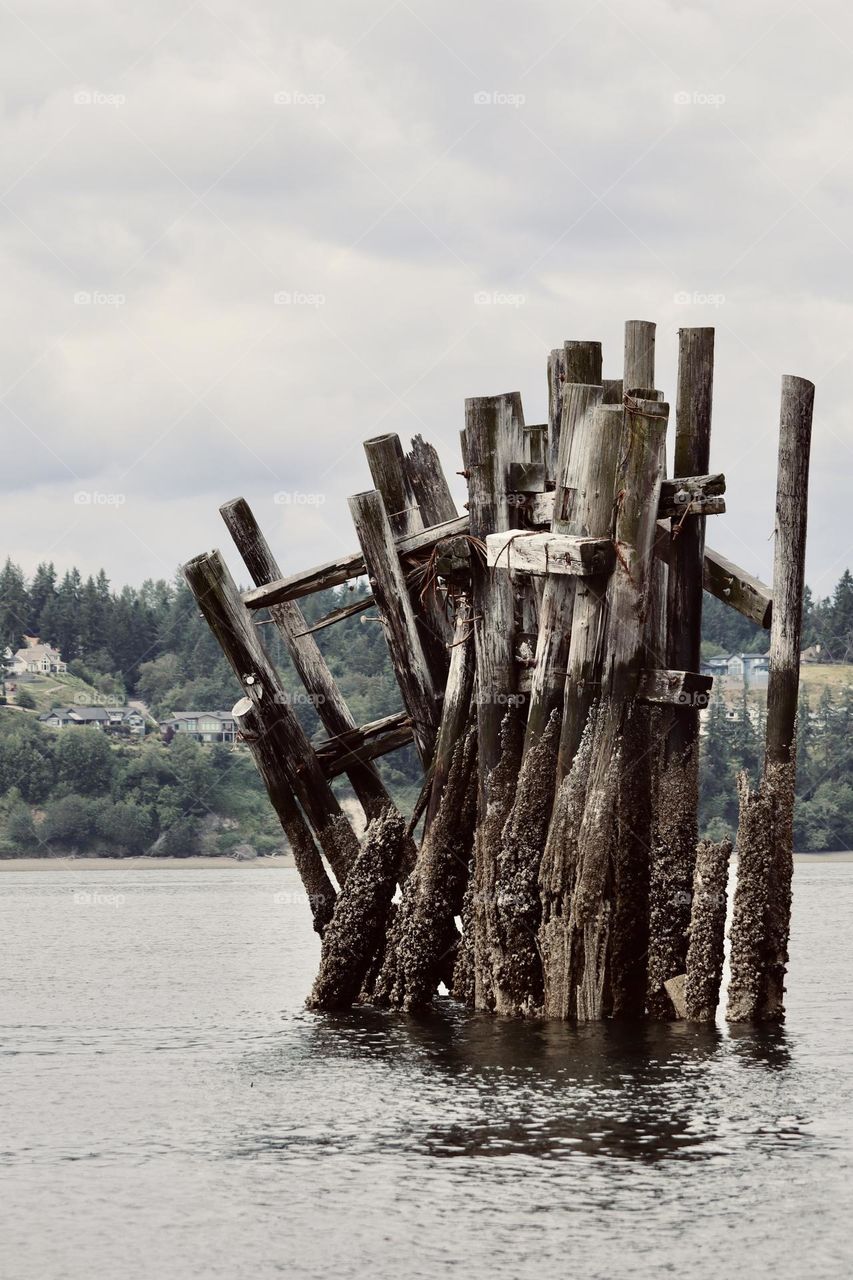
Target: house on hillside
107	719
202	726
750	668
36	659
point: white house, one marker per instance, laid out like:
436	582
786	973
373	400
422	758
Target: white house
37	659
750	668
203	726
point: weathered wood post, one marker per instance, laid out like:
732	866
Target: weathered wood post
390	475
674	853
309	864
399	623
762	910
494	427
583	503
309	662
456	706
429	484
217	597
579	502
609	916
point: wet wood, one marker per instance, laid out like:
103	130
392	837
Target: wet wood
762	911
707	931
609	917
217	597
494	429
315	880
456	705
674	851
357	928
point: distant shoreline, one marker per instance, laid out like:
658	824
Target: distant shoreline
201	862
198	862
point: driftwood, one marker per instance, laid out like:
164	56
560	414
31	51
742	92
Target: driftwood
546	646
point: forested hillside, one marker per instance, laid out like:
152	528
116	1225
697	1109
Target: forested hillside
150	643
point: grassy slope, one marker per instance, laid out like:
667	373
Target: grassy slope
55	691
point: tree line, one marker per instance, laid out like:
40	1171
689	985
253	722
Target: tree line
150	642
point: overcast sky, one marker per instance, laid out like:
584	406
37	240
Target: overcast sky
173	173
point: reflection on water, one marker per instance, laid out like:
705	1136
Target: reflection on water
169	1108
481	1086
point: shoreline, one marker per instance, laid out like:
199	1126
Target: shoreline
198	862
205	862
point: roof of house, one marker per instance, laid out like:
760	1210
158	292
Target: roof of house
89	714
33	652
199	715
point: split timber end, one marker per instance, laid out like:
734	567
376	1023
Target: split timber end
549	553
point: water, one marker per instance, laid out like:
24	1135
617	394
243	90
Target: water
170	1110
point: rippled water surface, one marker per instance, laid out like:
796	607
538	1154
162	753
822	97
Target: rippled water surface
168	1108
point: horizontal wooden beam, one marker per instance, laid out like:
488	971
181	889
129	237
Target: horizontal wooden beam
675	688
734	586
721	577
549	553
702	495
338	615
367	742
334	573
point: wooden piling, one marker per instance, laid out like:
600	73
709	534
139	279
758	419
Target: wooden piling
217	597
391	477
609	915
583	502
762	910
309	662
494	427
704	961
401	628
315	880
676	836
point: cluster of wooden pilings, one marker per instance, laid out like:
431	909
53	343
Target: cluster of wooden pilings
546	647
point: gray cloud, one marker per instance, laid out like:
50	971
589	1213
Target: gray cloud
631	155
